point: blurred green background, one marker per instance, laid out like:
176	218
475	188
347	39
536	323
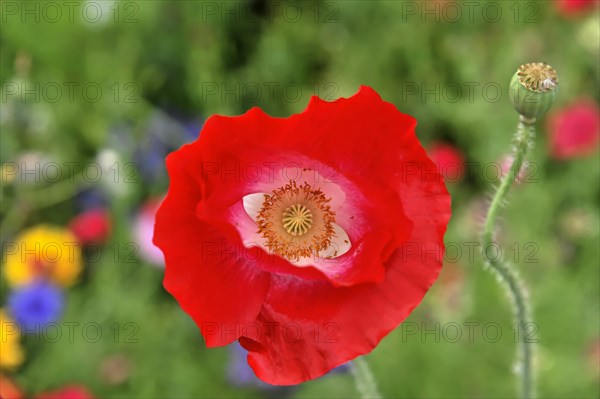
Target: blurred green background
145	74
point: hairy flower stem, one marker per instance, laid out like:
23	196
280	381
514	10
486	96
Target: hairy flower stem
523	140
363	378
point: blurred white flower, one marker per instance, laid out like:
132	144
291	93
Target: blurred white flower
98	13
144	231
112	173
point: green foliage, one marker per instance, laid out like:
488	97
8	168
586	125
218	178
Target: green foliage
452	76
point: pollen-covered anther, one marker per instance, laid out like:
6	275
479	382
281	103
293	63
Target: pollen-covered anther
296	221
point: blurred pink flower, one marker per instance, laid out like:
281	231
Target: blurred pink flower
574	130
68	392
593	355
451	296
575	7
476	211
144	230
91	226
524	174
449	161
451	291
115	369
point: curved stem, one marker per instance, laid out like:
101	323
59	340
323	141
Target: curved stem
28	200
57	192
363	378
516	289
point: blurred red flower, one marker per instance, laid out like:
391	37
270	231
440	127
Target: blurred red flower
593	355
449	161
91	226
575	7
574	130
524	174
68	392
307	238
451	294
8	389
143	231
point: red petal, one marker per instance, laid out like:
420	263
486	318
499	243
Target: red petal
217	288
308	328
332	136
331	318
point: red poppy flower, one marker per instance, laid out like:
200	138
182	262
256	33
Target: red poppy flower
574	130
449	161
91	226
575	7
68	392
307	238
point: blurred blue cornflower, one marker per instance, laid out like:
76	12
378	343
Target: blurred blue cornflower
36	305
163	134
192	129
90	198
238	372
150	158
240	375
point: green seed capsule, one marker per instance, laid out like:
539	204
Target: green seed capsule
533	89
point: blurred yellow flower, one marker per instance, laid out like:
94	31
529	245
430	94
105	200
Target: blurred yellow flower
43	252
7	173
11	353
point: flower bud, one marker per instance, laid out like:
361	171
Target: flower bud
533	89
